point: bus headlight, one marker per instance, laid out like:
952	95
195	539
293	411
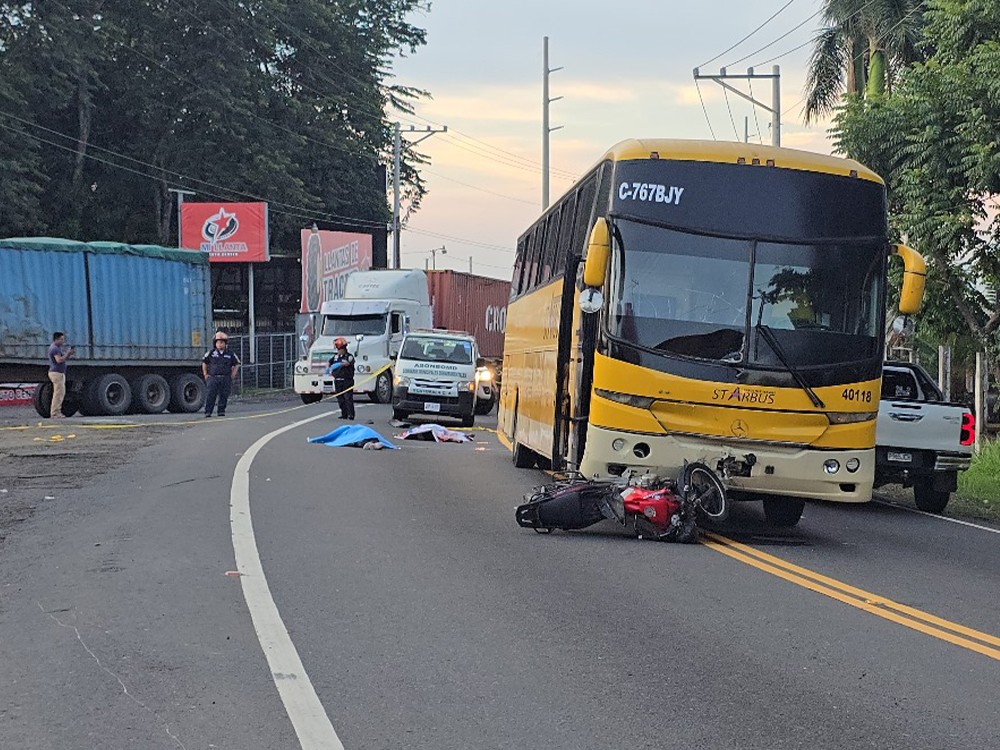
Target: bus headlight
618	445
639	402
852	465
831	466
850	417
301	368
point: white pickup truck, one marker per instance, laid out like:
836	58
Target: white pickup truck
920	439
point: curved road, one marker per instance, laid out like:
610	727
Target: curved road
425	618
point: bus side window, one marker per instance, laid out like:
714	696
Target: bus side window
565	232
516	283
549	245
534	251
583	217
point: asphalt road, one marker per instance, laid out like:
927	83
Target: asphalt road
425	618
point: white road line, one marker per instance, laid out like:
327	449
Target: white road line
309	718
938	517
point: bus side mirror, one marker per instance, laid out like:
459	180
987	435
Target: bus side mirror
911	296
598	251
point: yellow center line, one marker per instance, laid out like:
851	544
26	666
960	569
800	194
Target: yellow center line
915	619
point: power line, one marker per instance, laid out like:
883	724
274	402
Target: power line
194	181
753	101
775	41
705	110
725	93
726	52
482	190
140	173
463	240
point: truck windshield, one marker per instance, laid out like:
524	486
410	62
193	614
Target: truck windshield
708	297
352	325
435	349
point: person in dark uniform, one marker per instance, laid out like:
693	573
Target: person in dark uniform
219	367
341	366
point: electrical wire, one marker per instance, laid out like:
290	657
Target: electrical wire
775	41
753	101
705	110
191	181
725	93
726	52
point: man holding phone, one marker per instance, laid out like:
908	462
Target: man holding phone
59	353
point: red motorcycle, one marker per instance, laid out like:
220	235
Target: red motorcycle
646	505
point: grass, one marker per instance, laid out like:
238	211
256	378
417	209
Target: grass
978	492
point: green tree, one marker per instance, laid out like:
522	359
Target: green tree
861	51
937	143
235	99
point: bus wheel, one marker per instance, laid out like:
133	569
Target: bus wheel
523	458
783	512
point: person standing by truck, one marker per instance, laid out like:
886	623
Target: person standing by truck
341	366
59	353
219	367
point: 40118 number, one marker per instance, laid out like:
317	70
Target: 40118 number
856	394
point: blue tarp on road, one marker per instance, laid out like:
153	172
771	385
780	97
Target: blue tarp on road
352	435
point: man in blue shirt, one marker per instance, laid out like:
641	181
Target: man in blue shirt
58	354
219	366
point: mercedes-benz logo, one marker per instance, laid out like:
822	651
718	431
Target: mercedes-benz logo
739	428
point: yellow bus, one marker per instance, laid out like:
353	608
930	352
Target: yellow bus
707	301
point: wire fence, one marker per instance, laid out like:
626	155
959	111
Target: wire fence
275	356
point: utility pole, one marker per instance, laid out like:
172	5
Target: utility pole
180	202
434	252
397	159
774	109
546	130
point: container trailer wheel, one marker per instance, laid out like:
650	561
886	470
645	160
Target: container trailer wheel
111	395
42	401
150	393
187	393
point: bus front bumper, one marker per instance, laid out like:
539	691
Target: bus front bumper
793	471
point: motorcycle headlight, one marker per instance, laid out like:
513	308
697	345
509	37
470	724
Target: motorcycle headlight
402	381
483	375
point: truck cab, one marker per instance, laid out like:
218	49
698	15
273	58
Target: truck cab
379	306
437	373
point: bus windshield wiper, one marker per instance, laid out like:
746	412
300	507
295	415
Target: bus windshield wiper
768	335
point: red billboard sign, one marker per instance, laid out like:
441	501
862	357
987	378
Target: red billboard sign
228	232
327	259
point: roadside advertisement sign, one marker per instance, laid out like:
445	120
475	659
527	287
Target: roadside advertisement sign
228	232
17	394
327	260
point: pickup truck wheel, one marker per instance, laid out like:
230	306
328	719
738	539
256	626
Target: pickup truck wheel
783	512
928	499
311	398
400	416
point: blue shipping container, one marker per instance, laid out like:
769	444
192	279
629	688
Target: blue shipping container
117	303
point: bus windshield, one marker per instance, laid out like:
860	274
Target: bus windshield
352	325
708	297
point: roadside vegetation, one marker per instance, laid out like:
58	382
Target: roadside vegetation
979	488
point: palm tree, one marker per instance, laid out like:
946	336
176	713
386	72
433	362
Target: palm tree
861	49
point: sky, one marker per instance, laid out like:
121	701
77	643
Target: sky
625	74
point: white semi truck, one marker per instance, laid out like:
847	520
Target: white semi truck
377	306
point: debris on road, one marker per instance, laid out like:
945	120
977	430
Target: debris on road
435	432
353	435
